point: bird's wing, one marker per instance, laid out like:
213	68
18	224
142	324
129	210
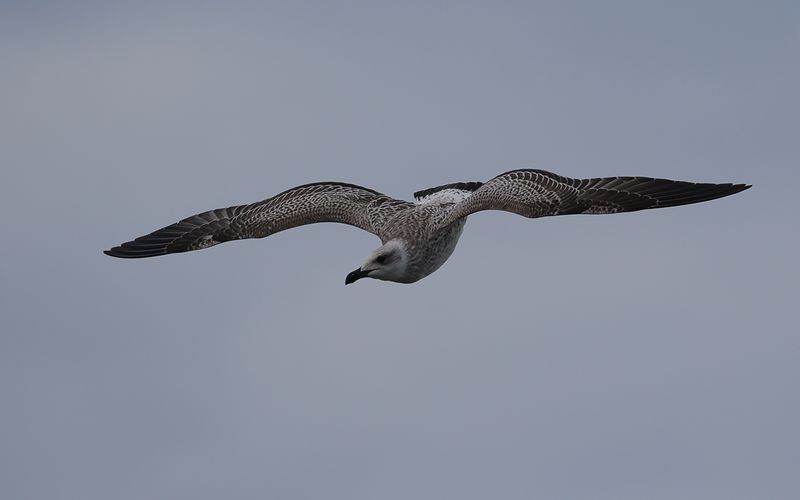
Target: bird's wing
307	204
538	193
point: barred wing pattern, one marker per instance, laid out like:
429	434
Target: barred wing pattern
307	204
538	193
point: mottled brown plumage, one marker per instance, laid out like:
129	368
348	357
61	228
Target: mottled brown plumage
419	237
307	204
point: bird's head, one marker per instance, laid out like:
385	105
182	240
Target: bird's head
389	263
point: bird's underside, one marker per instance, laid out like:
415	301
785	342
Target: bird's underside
436	212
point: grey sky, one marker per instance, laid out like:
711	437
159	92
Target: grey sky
647	355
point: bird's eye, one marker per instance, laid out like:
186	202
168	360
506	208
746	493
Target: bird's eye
380	259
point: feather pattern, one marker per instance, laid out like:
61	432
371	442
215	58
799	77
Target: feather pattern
429	229
539	193
307	204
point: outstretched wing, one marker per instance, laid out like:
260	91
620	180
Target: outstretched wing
307	204
538	193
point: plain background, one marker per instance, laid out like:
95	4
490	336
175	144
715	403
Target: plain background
648	355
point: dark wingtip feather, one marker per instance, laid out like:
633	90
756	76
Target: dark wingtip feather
738	188
685	194
126	251
116	252
199	231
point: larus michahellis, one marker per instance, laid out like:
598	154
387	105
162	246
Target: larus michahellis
419	237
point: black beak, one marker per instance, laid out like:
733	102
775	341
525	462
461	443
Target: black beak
355	276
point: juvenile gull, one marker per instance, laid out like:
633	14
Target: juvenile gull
419	237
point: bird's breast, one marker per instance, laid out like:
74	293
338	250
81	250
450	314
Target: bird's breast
436	249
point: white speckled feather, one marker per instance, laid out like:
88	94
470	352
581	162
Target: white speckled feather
444	196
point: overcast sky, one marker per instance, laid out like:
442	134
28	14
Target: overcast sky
648	355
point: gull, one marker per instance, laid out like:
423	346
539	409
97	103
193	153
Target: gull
418	237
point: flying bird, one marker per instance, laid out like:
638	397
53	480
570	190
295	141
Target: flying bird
418	237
